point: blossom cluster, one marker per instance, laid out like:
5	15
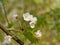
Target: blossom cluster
38	33
32	21
29	17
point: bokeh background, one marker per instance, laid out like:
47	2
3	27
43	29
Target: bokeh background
47	13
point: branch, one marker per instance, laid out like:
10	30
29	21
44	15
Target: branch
9	33
4	11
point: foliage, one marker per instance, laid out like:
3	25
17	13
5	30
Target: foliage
47	13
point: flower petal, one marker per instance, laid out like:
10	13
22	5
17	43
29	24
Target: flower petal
32	24
27	16
34	19
38	33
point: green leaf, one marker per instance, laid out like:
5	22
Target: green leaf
29	36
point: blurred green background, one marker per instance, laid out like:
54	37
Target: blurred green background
47	13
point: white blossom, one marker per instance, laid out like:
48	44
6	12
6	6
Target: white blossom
12	17
15	16
27	16
34	19
32	24
7	40
38	33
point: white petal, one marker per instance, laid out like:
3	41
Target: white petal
38	33
7	39
15	15
34	19
32	24
27	16
26	19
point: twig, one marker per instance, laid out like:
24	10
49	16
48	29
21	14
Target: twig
9	33
4	12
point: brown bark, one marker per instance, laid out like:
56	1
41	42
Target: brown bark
9	33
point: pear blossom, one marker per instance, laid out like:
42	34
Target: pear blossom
27	16
15	16
32	24
34	19
38	33
7	40
12	17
